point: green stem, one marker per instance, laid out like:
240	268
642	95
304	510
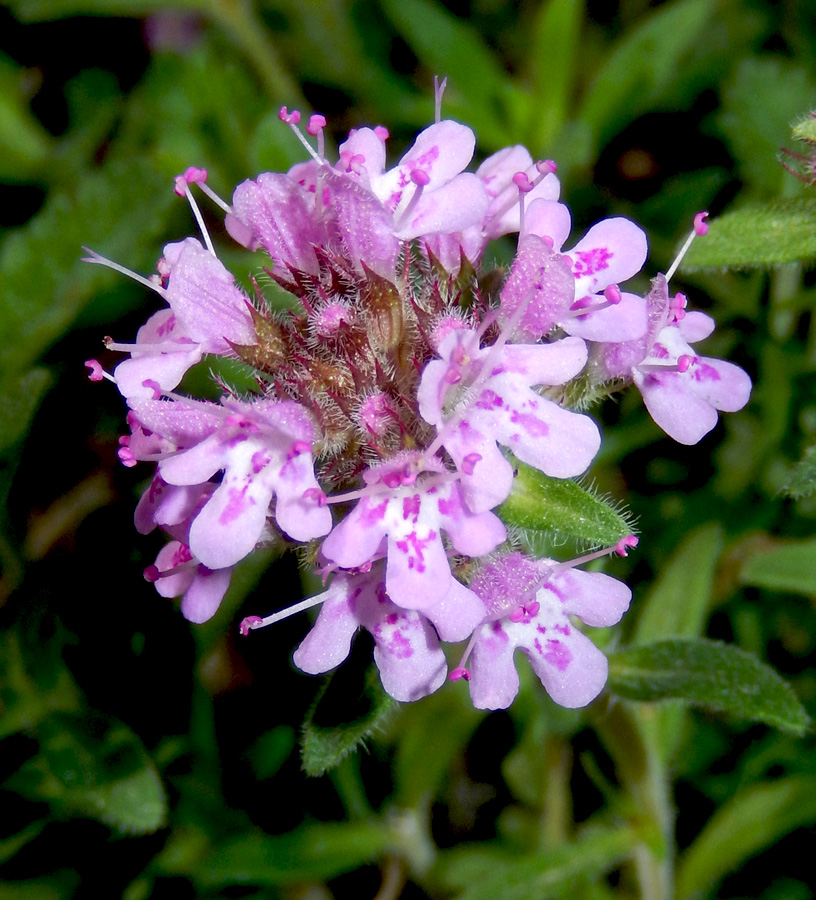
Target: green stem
557	811
641	771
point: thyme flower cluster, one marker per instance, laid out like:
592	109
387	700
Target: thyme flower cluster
377	437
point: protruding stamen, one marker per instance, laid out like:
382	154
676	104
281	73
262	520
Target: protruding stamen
524	185
382	132
289	118
682	365
292	119
613	294
183	190
546	167
621	548
315	128
250	623
625	544
315	495
461	672
154	573
700	228
103	261
439	90
469	462
97	373
420	178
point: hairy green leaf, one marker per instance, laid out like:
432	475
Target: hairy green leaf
350	706
709	674
561	509
757	234
802	479
96	768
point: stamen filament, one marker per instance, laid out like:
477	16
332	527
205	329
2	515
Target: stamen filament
250	623
103	261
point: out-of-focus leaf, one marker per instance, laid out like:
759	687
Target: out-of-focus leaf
676	606
19	398
311	853
418	773
709	674
752	819
677	603
553	60
42	10
347	710
60	887
802	479
785	566
24	143
45	283
485	872
28	698
765	96
271	750
562	509
757	234
9	846
642	65
93	767
479	89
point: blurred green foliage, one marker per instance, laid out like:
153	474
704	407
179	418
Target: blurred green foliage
171	753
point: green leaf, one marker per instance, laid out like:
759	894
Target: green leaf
28	697
708	674
96	768
802	479
479	89
42	10
786	566
308	854
757	234
557	508
349	707
60	887
418	774
484	872
24	143
642	66
757	109
45	283
553	63
678	602
20	396
754	818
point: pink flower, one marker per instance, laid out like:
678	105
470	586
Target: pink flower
500	407
264	449
529	606
682	391
402	516
407	650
